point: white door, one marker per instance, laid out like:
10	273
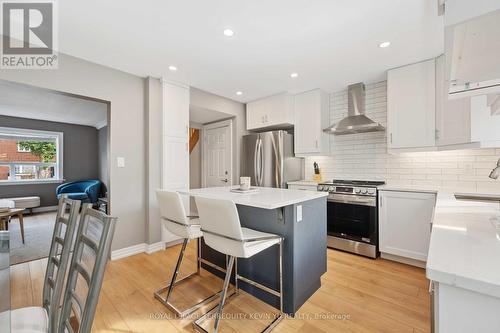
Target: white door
217	157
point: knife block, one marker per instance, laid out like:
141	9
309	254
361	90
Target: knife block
317	177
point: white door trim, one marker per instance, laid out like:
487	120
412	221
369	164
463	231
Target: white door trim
223	123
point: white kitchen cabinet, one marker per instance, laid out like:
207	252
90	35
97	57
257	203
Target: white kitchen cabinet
404	223
485	125
175	147
271	112
453	116
312	115
175	110
452	309
411	106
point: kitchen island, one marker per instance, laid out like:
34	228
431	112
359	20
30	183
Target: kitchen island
300	218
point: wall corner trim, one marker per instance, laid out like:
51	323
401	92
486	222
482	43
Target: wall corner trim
155	247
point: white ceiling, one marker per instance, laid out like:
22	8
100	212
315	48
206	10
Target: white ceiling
22	101
330	43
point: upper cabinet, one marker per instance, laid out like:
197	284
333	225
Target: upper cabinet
312	114
472	47
175	110
271	112
411	106
421	116
453	116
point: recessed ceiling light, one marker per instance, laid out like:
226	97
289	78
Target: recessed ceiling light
294	75
239	93
384	44
228	33
172	68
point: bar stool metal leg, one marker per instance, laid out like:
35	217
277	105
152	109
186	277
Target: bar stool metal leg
197	324
170	287
229	270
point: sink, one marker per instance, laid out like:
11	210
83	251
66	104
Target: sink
478	197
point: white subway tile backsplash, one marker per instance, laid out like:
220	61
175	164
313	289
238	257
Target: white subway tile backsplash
364	155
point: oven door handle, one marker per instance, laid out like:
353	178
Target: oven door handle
349	199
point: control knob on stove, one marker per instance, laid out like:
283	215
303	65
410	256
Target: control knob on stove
364	191
358	191
320	187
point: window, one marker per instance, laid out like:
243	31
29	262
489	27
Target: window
30	156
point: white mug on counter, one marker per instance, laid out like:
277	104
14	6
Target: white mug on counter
244	183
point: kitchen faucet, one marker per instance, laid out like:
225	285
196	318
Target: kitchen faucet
495	173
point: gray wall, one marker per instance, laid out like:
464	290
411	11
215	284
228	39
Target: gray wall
126	94
102	157
79	157
154	157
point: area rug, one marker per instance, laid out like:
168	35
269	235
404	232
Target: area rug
38	230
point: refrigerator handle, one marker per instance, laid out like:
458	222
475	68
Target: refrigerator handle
278	154
261	163
256	162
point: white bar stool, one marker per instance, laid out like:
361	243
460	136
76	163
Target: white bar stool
222	231
176	221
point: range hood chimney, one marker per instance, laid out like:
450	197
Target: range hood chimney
356	121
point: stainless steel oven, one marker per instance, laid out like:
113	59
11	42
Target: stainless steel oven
352	217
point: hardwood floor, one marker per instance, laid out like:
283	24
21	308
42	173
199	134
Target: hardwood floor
357	295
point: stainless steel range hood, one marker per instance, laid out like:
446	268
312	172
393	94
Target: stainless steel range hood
356	121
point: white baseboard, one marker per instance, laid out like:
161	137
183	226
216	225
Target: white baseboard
128	251
174	242
155	247
141	248
44	209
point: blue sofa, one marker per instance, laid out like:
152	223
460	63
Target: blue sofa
85	190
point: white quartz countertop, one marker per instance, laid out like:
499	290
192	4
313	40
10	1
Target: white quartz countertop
400	188
266	197
464	250
303	182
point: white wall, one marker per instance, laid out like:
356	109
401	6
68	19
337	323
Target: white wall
364	155
205	100
127	96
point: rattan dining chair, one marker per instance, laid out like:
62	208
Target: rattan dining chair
46	317
86	271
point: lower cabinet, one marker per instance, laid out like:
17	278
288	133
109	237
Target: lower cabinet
459	310
405	220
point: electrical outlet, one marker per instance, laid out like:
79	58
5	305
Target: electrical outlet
120	162
299	213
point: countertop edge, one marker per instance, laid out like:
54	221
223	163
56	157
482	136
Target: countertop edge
479	286
407	189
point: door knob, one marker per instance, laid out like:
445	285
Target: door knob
225	180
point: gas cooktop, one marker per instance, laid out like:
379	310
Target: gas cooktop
354	182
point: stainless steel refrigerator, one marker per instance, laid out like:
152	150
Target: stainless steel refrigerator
268	159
